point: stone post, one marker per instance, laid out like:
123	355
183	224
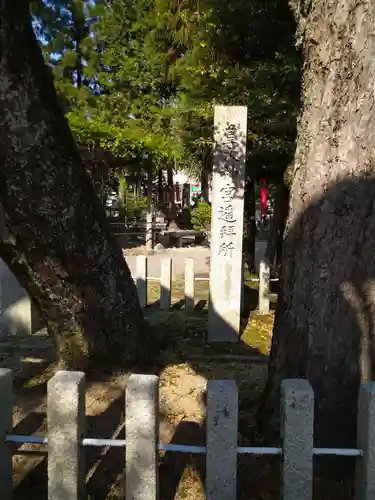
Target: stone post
149	236
165	284
189	284
228	182
6	425
66	428
141	279
141	430
297	434
221	440
365	466
264	287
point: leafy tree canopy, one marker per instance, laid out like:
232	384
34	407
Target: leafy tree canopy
140	78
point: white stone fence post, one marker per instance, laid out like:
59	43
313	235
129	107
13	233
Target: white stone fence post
66	439
165	280
19	317
264	287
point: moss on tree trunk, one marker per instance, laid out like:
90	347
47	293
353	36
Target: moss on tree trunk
58	242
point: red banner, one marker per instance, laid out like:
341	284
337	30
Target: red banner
263	196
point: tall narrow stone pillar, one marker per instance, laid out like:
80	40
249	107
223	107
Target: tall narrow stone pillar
228	184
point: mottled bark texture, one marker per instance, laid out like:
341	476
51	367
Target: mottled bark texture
58	241
325	319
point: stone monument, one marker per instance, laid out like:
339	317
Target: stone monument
228	183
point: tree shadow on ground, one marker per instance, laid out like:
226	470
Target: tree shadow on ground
104	466
253	473
107	462
210	362
173	465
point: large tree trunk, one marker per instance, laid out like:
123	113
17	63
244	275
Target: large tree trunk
325	319
59	243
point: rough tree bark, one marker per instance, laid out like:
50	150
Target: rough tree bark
325	320
59	243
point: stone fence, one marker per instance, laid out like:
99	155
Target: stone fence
66	441
18	316
165	281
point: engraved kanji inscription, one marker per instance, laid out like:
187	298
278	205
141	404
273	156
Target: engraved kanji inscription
230	142
227	193
226	247
227	231
231	136
226	213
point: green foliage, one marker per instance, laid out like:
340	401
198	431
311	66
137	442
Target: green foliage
134	206
65	29
130	204
122	191
242	52
201	215
139	78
